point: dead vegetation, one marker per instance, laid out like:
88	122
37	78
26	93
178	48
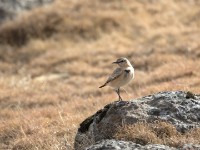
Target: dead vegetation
157	133
53	59
77	22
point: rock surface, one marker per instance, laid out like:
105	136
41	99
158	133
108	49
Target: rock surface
9	8
177	107
124	145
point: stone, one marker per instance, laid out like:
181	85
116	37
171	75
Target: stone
128	145
10	8
176	107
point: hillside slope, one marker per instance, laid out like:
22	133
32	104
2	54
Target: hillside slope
53	59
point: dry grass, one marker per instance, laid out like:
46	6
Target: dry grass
157	133
44	97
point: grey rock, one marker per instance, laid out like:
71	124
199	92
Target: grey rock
182	109
190	147
126	145
9	8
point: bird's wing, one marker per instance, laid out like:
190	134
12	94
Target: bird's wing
116	73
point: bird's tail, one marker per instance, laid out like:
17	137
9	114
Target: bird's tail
102	85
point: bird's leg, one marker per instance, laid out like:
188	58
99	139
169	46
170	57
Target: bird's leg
118	92
119	95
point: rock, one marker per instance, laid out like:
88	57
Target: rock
4	14
190	147
124	145
9	8
177	107
127	145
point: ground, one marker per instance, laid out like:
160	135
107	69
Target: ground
54	58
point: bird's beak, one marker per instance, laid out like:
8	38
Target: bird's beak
115	62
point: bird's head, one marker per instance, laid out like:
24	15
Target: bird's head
122	62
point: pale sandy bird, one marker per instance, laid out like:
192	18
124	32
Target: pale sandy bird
121	76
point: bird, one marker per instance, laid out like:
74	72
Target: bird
121	76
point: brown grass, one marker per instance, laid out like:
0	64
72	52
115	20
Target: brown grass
44	97
157	133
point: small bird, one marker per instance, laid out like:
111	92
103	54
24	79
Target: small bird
121	76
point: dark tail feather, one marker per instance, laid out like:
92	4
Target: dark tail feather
102	86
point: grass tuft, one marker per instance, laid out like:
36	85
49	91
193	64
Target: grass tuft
157	133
